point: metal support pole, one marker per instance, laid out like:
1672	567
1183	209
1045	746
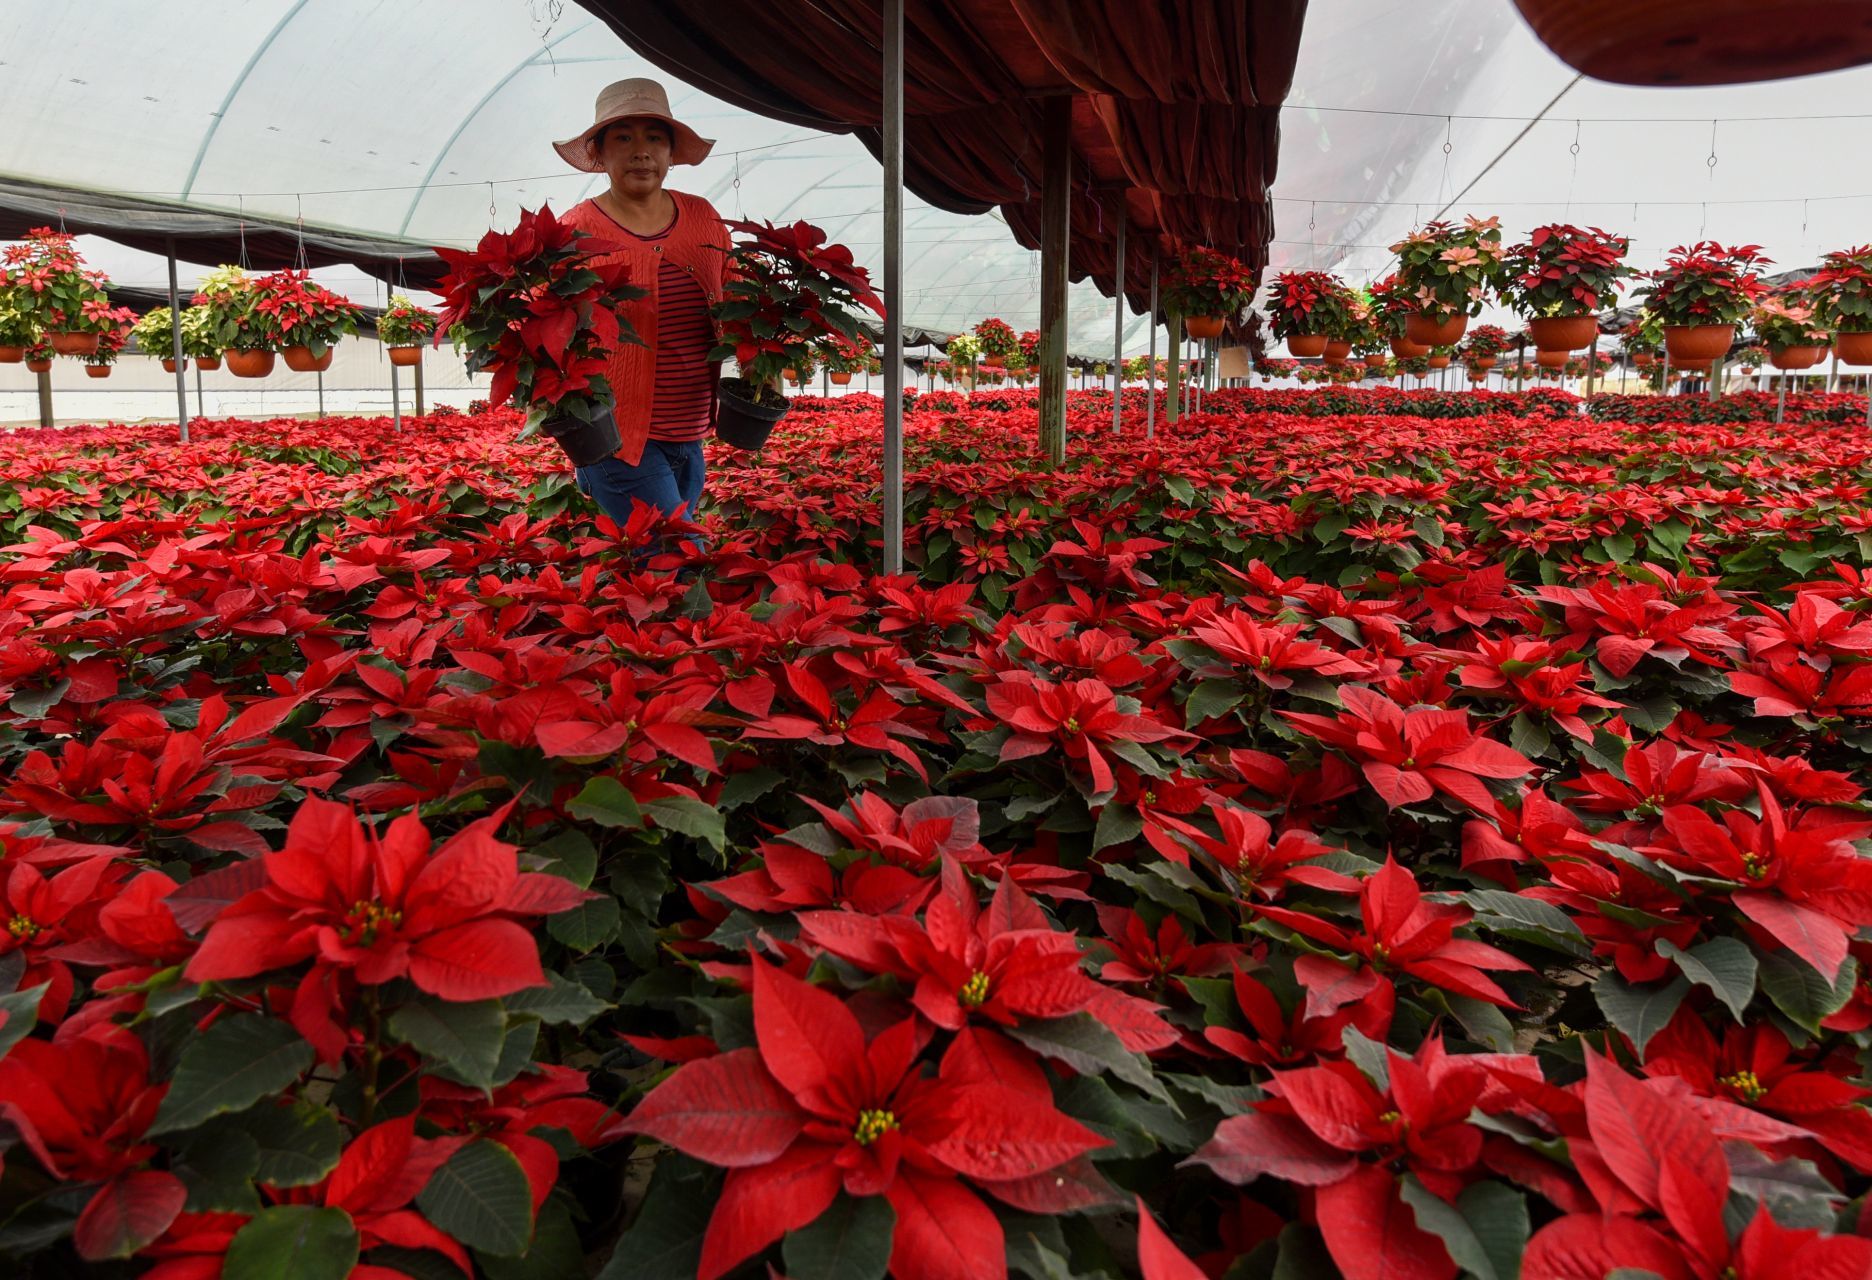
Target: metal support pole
1118	307
416	373
1592	364
45	397
1173	381
321	389
200	412
1055	226
175	342
1781	399
396	402
893	286
1833	369
1664	378
825	383
1150	370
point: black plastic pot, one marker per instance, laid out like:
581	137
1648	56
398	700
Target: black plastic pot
584	443
741	422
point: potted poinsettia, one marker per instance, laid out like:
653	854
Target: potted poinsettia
1842	297
1484	346
1787	327
155	336
110	344
403	328
68	302
18	328
964	352
843	357
307	318
1751	357
39	355
1448	271
998	341
1208	289
1391	308
1307	308
1560	278
225	297
788	292
1701	293
535	309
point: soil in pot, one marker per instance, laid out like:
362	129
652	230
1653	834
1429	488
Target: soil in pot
745	413
1303	345
1434	332
1203	326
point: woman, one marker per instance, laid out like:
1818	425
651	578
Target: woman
676	246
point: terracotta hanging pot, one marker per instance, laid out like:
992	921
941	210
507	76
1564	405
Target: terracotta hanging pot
97	371
404	357
1854	348
1336	352
169	365
1439	362
1788	358
1687	342
791	375
841	379
1374	362
1203	326
1562	333
249	364
1643	359
1302	345
39	366
1552	359
73	344
993	362
1685	42
1478	375
207	364
1695	366
1482	362
1432	332
1405	349
301	360
12	355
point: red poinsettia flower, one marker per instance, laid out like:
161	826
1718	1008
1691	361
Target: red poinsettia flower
1078	717
814	1109
1410	755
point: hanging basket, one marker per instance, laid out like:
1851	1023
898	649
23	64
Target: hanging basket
1303	345
741	421
1374	362
97	371
1483	363
207	364
584	443
1696	366
301	359
1854	348
12	355
39	366
840	379
1643	359
1405	349
1439	362
1434	332
1687	342
1685	42
1790	358
994	362
1203	326
249	364
1552	359
73	344
169	364
405	357
1563	333
1337	351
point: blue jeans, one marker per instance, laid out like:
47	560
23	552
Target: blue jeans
668	477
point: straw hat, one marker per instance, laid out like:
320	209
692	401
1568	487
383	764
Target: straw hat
627	99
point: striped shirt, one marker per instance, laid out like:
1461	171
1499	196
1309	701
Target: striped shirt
685	387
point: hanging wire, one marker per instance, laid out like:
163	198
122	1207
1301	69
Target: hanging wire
1573	177
1443	186
243	234
1312	240
493	212
1711	162
740	212
61	219
301	253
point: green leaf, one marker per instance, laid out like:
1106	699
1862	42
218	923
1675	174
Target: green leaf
229	1067
1619	547
751	784
1331	524
299	1143
19	1011
293	1242
570	855
691	817
849	1241
1485	1231
1210	698
1725	965
605	801
482	1198
1802	993
1639	1012
587	925
1180	489
464	1037
560	1001
1090	1047
555	1253
665	1242
1529	736
1117	824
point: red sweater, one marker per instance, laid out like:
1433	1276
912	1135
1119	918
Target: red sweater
697	244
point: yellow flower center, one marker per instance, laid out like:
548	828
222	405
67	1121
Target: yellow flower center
1410	762
368	917
974	991
1150	797
872	1125
1745	1083
1755	866
23	927
1072	724
1390	1117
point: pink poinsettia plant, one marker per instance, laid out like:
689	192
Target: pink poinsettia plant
1451	269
